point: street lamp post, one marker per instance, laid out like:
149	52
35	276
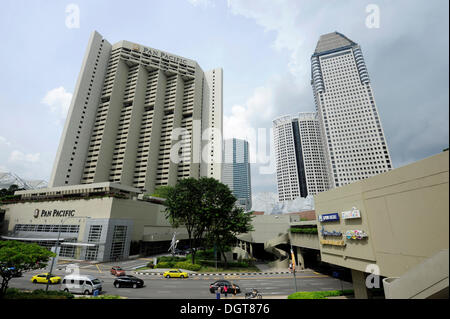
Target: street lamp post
56	249
293	268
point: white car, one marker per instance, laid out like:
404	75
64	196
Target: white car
82	284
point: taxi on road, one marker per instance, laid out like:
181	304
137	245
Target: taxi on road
43	279
175	273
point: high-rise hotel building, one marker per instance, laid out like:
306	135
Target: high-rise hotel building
300	161
354	142
236	171
139	117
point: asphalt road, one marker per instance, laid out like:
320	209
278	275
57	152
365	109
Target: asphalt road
195	287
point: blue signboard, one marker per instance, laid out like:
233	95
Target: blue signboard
328	217
330	233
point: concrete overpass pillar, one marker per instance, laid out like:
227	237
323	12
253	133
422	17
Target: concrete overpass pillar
359	285
300	259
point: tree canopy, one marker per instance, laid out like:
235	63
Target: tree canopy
207	209
161	191
21	256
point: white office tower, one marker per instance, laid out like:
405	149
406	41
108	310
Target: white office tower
300	161
288	179
355	146
236	171
313	158
137	117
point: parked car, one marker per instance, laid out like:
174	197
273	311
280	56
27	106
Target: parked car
180	252
128	281
117	271
44	278
83	284
175	273
12	270
15	272
221	283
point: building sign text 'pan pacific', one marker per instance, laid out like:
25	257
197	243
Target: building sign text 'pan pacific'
54	213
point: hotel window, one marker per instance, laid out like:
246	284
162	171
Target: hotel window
95	232
118	242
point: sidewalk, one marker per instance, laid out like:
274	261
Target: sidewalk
160	271
342	297
241	296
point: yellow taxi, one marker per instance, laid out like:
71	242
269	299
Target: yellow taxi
175	273
42	279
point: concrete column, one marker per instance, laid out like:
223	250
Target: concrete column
177	117
158	115
129	161
300	259
106	150
359	284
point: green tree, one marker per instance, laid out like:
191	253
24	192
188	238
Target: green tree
12	189
21	256
183	208
162	191
207	209
224	220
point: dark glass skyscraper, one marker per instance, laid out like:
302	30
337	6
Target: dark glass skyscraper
236	171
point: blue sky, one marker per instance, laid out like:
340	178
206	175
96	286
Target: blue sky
263	46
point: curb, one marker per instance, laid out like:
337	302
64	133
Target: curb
218	274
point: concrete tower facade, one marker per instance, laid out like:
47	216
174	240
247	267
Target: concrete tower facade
290	181
354	142
300	160
314	163
137	117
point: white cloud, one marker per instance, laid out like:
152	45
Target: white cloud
406	100
202	3
18	156
282	17
59	101
241	122
4	141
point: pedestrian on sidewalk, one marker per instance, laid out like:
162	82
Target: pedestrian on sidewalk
233	290
218	293
225	291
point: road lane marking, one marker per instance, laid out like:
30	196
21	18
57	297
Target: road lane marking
98	269
290	277
88	266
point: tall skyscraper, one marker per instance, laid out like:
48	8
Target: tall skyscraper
311	144
236	171
137	117
354	142
300	162
287	155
